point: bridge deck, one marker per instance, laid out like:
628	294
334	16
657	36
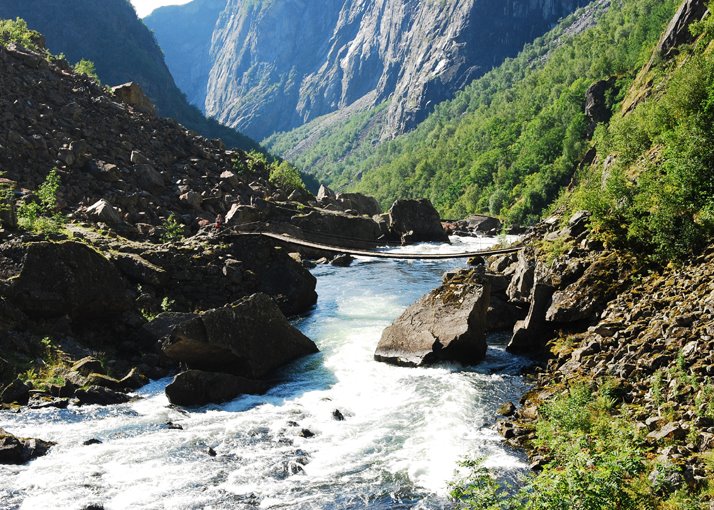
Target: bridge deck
386	255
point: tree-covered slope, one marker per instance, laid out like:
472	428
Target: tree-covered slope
109	33
512	139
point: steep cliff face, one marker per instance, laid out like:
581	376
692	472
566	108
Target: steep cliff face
279	64
185	33
109	33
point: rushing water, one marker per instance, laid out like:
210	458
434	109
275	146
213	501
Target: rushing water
405	429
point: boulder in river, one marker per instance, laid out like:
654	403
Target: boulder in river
196	387
16	450
249	338
447	324
416	221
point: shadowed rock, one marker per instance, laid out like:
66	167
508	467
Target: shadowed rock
195	387
249	338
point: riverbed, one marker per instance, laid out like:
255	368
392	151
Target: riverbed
403	434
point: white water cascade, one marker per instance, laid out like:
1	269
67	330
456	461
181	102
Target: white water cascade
404	431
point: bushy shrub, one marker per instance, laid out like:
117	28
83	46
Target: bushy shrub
285	176
16	31
41	215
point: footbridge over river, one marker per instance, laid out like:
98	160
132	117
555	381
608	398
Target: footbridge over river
383	254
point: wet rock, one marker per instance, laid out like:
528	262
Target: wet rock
344	260
447	324
91	442
507	409
98	395
15	450
249	338
337	415
134	380
15	392
416	219
173	426
211	452
306	433
196	388
45	401
484	224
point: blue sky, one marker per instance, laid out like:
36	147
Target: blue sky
144	7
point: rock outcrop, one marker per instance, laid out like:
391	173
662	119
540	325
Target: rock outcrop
69	278
249	338
448	324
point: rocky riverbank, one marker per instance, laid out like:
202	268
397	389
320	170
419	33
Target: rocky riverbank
596	321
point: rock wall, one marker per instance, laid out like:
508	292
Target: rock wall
276	65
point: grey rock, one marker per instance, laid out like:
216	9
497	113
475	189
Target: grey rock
441	325
531	334
418	219
104	211
15	450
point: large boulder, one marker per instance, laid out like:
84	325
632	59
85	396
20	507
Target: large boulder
16	450
249	338
502	314
484	224
447	324
132	94
68	278
359	203
104	211
196	387
416	221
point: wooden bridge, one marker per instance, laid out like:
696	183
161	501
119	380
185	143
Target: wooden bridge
385	255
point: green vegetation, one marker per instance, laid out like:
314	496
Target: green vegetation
513	138
657	194
16	31
285	176
598	461
172	230
41	215
87	68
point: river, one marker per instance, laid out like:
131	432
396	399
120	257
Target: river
403	434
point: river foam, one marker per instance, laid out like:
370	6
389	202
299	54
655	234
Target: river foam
404	430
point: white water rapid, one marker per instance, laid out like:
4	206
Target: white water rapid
404	431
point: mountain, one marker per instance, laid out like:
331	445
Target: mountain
512	140
184	33
109	33
277	65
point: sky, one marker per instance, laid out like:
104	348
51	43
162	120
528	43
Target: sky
144	7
